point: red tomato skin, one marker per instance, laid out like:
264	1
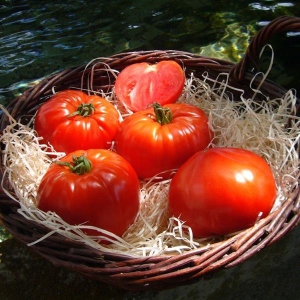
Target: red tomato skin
221	191
67	134
141	84
152	148
107	197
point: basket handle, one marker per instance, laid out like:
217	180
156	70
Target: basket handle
279	25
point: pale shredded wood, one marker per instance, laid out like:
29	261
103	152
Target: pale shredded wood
258	127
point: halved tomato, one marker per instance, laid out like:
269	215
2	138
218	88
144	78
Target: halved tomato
141	84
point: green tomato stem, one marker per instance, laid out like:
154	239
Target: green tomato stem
163	115
80	165
84	110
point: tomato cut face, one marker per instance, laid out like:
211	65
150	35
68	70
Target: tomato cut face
105	196
141	84
160	139
72	120
222	190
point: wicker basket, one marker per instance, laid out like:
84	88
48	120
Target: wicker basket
163	271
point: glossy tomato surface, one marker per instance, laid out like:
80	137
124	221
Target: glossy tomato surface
60	123
152	148
142	84
222	190
107	196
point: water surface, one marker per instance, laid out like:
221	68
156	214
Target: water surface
38	38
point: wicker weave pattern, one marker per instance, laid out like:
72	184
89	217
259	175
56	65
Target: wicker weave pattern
157	272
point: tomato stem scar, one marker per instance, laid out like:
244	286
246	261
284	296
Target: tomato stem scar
163	115
80	165
84	110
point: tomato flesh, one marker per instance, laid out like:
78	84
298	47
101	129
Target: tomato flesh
141	84
222	190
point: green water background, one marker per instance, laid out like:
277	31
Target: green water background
38	38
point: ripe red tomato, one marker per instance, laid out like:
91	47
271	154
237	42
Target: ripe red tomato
72	120
141	84
104	194
222	190
162	138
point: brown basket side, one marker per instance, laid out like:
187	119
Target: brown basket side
251	59
158	272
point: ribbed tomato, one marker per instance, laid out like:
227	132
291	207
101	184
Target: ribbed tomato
96	187
160	139
141	84
222	190
72	120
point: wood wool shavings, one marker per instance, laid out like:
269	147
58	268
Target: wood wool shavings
257	127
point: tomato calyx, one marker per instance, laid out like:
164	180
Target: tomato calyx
80	165
163	115
84	110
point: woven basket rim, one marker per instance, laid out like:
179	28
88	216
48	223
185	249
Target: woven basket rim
161	271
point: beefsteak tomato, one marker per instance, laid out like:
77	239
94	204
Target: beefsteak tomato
141	84
96	187
160	139
72	120
222	190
